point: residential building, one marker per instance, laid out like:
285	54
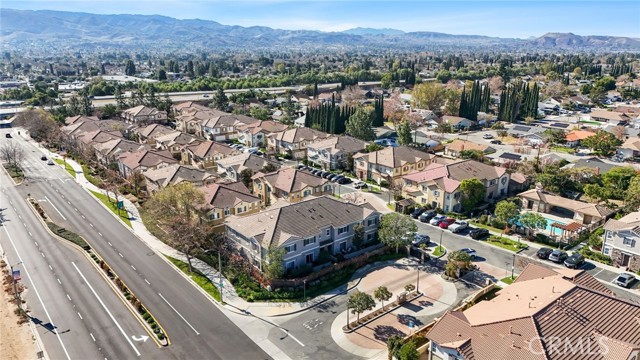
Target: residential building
191	118
293	142
611	117
149	133
580	212
599	166
174	174
630	149
622	241
439	184
205	154
303	230
545	314
459	123
335	152
574	137
232	166
224	127
141	160
255	134
108	152
528	132
290	185
144	115
390	164
175	141
454	148
224	200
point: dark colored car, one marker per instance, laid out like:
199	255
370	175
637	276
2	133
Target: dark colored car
8	136
496	142
544	253
574	261
427	215
343	180
316	172
300	167
325	174
444	224
417	212
558	256
43	158
478	233
332	177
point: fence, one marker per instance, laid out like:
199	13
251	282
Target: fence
357	261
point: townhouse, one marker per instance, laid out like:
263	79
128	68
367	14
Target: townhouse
232	166
290	185
439	184
205	154
108	152
390	164
149	133
174	142
131	162
293	142
224	127
255	134
174	174
144	115
622	241
303	230
335	152
224	200
454	148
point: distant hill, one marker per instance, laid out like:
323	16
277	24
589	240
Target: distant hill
45	30
372	31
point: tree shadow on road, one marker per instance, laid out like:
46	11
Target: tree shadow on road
384	332
326	307
405	319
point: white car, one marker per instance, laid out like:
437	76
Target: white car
436	220
625	280
469	251
458	226
487	136
251	150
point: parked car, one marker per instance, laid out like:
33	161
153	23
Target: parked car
359	185
625	280
427	215
420	239
487	136
324	174
558	256
8	136
574	261
316	172
444	224
300	167
478	233
343	180
436	220
50	162
417	212
544	253
43	158
458	226
251	150
496	142
469	251
387	142
205	95
332	177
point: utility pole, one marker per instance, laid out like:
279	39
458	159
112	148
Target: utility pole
418	281
513	265
15	285
304	290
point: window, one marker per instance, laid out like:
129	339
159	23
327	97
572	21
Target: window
290	265
290	248
214	216
343	230
423	200
309	241
308	259
607	250
306	193
503	180
328	232
284	193
227	211
371	222
370	237
628	242
609	234
492	182
436	193
239	211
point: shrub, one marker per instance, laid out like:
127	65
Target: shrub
596	256
384	184
483	219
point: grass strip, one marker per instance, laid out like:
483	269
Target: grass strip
67	167
113	207
199	278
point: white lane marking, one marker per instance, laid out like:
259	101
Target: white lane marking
30	233
50	268
35	242
100	233
26	271
42	254
596	274
106	309
59	281
182	317
19	217
23	224
147	281
109	243
91	225
121	255
80	316
134	269
83	217
68	297
68	202
76	209
65	219
94	339
293	337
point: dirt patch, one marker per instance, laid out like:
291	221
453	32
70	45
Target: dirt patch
17	340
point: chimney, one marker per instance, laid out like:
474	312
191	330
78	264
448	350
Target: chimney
510	329
597	170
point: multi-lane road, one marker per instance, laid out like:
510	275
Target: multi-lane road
195	325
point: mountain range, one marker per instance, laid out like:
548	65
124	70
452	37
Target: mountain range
49	29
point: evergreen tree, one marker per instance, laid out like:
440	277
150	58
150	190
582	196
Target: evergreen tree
360	124
130	68
220	100
404	133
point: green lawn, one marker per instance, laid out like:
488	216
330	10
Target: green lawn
505	243
438	251
121	213
91	179
490	228
66	167
563	149
198	277
508	280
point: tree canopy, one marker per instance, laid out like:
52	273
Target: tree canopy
473	193
397	230
360	124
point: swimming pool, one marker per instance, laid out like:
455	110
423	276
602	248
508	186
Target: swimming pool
548	228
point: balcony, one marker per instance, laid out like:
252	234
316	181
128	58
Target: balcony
326	242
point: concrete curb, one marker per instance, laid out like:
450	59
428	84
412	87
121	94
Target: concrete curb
388	311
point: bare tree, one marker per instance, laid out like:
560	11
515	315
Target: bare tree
39	123
352	95
12	153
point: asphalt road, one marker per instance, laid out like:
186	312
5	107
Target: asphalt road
78	316
196	327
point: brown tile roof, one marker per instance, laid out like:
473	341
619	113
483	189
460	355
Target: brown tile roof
608	115
211	148
142	110
176	173
299	134
146	158
225	120
176	137
290	179
628	222
335	144
573	205
266	126
221	196
458	145
394	157
189	106
79	118
632	144
118	146
245	161
542	304
154	130
302	219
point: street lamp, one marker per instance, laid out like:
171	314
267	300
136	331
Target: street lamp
304	290
418	280
441	232
513	265
15	284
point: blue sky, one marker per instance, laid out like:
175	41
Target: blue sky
497	18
